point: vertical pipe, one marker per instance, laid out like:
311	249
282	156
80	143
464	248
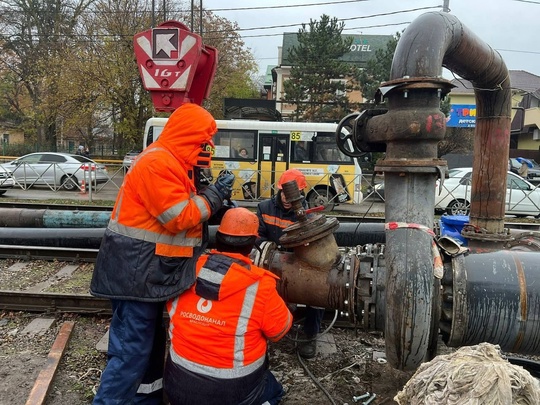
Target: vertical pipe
410	279
430	42
437	39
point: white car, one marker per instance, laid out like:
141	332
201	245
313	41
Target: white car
522	197
6	180
55	170
130	158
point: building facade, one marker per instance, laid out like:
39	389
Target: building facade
362	49
525	134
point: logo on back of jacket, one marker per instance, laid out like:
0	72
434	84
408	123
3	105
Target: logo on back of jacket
203	307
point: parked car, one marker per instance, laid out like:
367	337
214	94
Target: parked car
6	180
522	197
533	171
56	170
376	192
129	159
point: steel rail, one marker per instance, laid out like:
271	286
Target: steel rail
48	253
53	302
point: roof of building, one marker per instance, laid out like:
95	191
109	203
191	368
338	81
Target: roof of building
519	80
363	47
268	77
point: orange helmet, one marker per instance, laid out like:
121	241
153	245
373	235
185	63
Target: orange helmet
239	222
290	175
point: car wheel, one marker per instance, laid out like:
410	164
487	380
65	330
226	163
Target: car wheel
322	196
69	183
458	207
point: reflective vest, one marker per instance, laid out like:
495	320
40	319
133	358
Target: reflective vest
170	214
219	327
273	219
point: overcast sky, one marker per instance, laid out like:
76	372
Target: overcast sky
508	26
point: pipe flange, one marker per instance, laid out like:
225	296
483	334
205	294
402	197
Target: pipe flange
308	231
526	242
412	165
408	83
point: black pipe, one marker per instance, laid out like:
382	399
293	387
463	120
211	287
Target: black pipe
348	234
495	298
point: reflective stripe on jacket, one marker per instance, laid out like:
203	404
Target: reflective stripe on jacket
156	232
273	219
219	327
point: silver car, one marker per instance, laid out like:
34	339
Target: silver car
129	159
6	180
56	170
522	198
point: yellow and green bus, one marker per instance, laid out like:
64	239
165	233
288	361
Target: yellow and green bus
258	152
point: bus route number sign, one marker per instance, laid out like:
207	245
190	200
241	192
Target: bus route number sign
297	136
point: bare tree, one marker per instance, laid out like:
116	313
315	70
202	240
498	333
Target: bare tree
34	36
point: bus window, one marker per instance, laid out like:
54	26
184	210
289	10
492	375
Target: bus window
326	150
300	151
229	143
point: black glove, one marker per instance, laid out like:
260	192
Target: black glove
214	198
224	183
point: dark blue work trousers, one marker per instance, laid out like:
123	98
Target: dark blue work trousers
185	387
136	355
312	321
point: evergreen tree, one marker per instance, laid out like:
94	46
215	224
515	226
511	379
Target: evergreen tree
378	70
319	79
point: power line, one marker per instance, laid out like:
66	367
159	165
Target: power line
287	6
517	51
344	29
339	19
528	1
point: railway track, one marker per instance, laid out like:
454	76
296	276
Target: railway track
40	283
47	282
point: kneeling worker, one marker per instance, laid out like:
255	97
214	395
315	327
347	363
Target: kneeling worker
275	215
219	328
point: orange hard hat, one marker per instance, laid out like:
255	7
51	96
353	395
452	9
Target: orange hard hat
239	222
290	175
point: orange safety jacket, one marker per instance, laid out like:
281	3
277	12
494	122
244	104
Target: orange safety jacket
158	227
219	327
273	219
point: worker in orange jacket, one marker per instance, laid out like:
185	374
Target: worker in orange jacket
155	236
276	214
220	326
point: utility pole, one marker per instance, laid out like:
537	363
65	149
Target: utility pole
446	6
192	6
201	20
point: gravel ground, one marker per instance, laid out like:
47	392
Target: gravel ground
349	371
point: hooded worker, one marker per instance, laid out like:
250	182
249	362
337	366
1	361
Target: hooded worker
156	233
220	326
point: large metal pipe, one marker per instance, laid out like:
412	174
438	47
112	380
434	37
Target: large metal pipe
411	129
348	234
434	40
493	297
28	218
302	283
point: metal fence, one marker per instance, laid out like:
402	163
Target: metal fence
522	196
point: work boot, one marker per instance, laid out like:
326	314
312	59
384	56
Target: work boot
308	350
